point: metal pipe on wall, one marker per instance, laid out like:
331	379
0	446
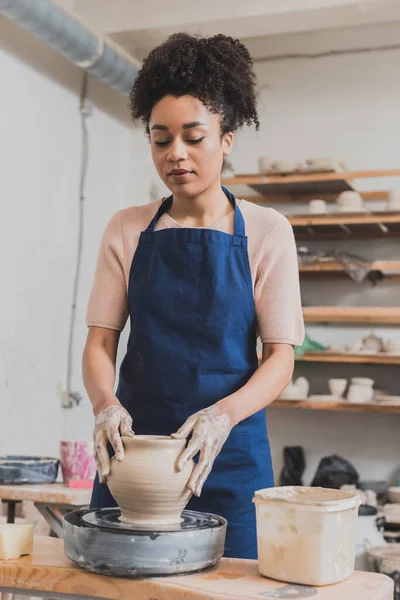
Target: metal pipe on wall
64	32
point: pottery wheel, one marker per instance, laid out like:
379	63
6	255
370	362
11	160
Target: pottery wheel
97	541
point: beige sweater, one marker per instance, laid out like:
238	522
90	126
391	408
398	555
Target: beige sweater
273	264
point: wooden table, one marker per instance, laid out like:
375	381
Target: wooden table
49	574
52	500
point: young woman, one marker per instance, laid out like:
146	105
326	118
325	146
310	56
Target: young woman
201	275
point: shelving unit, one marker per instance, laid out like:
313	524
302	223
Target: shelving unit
299	184
332	267
337	406
383	315
346	226
389	268
305	197
300	188
362	358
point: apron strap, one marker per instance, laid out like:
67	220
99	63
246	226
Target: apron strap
238	229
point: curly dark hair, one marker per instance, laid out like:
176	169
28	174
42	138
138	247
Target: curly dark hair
216	70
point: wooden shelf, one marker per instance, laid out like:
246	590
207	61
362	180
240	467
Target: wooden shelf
346	225
391	268
385	315
337	406
332	182
295	198
364	218
328	357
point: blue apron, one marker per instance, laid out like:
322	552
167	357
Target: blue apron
193	342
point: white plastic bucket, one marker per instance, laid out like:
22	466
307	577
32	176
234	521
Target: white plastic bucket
306	535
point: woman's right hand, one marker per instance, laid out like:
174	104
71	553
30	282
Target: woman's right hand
110	423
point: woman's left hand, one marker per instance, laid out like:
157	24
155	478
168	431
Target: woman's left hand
209	429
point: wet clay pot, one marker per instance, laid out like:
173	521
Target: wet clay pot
145	484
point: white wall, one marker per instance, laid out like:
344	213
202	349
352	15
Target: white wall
348	107
40	144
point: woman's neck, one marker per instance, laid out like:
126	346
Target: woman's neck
202	210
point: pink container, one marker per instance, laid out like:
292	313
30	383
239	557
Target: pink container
77	460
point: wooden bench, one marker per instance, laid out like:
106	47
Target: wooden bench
52	500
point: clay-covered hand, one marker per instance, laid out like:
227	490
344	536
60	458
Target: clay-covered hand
109	425
209	429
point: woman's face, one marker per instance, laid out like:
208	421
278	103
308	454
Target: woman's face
186	145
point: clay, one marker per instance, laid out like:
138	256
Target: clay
146	484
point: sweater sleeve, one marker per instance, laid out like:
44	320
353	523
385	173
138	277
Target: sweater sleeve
108	301
277	288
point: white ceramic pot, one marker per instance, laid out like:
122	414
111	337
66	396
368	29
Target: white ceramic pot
303	386
394	200
350	198
337	387
372	342
317	207
321	163
297	390
286	166
354	347
289	393
393	206
145	484
361	390
392	345
394	196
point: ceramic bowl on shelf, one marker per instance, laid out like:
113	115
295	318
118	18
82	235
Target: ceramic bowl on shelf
354	347
393	207
350	202
350	198
392	346
325	164
296	390
317	207
361	390
286	166
337	387
372	343
393	201
267	164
